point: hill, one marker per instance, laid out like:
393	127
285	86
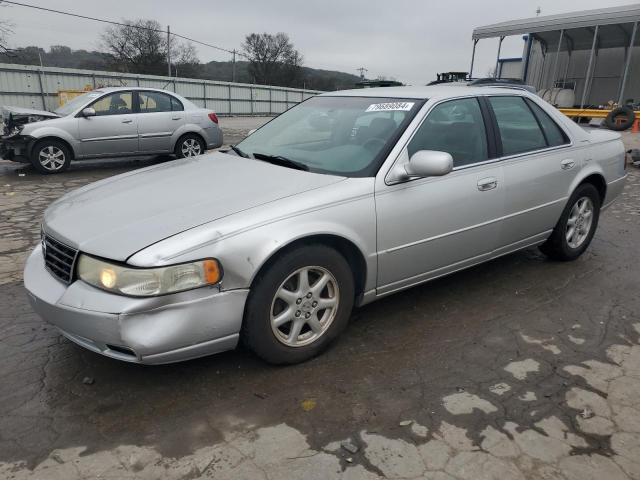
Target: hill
63	56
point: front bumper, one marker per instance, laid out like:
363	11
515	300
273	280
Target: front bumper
16	148
155	330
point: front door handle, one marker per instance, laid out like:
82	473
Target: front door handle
175	118
488	183
127	121
567	164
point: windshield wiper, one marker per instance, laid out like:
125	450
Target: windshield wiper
239	152
280	160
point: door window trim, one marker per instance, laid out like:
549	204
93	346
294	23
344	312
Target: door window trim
171	98
546	149
493	128
133	102
490	141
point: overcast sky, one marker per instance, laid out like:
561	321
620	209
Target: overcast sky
410	40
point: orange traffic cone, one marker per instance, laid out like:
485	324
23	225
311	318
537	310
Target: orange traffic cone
636	126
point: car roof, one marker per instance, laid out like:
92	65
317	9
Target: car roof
119	89
426	92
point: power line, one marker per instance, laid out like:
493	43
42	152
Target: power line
113	22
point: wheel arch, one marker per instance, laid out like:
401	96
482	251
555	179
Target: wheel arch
36	141
348	249
182	133
598	181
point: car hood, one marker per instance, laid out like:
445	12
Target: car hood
15	117
117	217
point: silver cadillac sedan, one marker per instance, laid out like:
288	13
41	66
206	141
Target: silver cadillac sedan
344	199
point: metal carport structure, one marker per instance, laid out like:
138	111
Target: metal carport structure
555	37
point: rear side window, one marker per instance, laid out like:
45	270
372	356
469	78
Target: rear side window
455	127
519	129
554	134
151	102
176	105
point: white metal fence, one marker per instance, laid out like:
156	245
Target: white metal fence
37	87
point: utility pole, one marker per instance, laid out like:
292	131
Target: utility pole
362	70
233	67
169	50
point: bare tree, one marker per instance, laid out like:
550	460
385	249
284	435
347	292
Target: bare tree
6	29
138	46
272	58
185	57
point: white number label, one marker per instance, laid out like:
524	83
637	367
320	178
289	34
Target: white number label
390	107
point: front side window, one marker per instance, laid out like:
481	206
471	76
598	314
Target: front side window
118	103
77	102
455	127
519	129
337	135
151	102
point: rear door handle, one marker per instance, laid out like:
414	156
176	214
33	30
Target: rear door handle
567	164
127	121
175	118
488	183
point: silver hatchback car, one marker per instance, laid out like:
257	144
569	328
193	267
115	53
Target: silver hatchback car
109	122
342	200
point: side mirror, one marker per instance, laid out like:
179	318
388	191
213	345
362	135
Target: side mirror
429	163
88	112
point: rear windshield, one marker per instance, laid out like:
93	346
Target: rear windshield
347	136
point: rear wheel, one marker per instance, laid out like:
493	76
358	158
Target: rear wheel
50	156
189	145
299	305
577	225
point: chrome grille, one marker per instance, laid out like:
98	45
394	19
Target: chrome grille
59	258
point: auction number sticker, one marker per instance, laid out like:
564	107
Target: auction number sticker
390	107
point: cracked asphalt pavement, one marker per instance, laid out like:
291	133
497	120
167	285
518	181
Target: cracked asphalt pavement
518	368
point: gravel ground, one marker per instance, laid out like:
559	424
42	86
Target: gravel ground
518	368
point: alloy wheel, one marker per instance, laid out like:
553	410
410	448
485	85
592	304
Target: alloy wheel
304	306
191	148
51	158
579	222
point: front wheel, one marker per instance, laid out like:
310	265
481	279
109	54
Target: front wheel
299	305
189	145
577	225
50	156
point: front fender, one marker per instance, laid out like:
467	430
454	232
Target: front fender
50	131
244	242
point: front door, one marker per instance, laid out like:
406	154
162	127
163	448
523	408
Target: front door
160	115
113	130
432	226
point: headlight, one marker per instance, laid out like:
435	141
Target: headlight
147	282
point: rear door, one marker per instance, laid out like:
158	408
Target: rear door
428	227
160	115
539	165
113	130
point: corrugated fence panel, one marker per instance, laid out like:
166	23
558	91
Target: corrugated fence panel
35	87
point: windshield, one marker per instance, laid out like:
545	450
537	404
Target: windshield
347	136
77	102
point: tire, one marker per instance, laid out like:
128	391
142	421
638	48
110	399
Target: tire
625	111
563	246
277	291
50	156
189	145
